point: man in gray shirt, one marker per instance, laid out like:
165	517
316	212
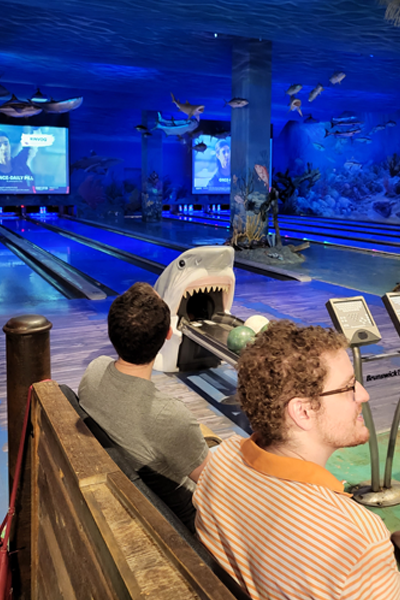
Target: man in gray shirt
160	434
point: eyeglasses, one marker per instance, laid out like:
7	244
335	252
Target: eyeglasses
348	388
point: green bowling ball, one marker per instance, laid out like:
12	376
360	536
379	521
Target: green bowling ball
264	328
239	337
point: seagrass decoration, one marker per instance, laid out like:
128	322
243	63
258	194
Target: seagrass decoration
392	13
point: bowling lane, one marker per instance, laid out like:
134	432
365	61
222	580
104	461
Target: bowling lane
303	222
160	254
376	242
20	285
117	274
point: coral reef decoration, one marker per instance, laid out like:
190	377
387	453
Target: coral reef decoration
392	13
393	165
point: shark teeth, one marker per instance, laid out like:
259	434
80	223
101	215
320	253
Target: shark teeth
206	289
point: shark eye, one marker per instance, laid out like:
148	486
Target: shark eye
181	264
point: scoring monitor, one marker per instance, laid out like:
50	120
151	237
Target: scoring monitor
392	302
352	317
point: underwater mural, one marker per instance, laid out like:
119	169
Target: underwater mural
347	167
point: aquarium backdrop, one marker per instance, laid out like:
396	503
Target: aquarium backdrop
348	167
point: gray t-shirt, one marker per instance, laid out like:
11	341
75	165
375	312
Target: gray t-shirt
158	431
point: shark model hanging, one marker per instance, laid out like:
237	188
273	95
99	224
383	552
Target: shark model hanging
176	127
191	110
203	270
64	106
19	109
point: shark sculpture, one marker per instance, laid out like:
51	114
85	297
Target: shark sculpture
199	271
191	110
63	106
19	109
176	127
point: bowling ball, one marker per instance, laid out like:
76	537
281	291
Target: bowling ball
264	328
256	322
239	337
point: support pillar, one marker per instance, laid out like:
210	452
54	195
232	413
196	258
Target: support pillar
250	130
28	361
152	170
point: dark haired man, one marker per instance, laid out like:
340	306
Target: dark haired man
160	434
269	511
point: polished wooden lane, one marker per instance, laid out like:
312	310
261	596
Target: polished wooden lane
79	335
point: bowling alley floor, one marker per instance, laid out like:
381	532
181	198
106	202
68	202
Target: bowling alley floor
79	334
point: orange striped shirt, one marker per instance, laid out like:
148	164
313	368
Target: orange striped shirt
285	529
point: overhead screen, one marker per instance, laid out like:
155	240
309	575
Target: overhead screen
34	160
211	166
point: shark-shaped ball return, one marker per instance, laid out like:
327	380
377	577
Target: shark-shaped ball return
198	287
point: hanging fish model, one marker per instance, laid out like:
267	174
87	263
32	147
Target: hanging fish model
236	102
294	89
201	147
191	110
295	104
315	92
337	77
176	127
19	109
64	106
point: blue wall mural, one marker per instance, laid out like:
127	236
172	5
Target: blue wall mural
348	167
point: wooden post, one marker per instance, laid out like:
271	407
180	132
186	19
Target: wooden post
28	361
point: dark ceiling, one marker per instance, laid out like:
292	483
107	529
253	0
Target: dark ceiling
125	56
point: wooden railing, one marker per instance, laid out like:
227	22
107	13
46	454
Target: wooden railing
94	534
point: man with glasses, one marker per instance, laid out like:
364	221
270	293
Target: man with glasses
267	508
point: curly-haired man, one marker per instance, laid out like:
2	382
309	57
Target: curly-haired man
267	508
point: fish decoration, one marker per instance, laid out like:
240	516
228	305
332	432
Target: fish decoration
346	117
201	147
294	89
337	77
377	128
176	126
19	109
191	110
346	134
346	123
352	165
295	104
262	173
363	140
141	128
391	124
319	147
310	119
236	102
315	92
59	107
